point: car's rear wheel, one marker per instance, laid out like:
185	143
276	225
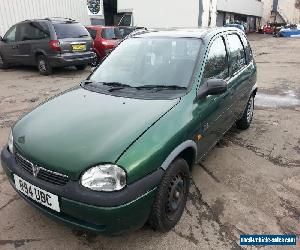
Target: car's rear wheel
44	66
3	63
81	67
245	122
171	196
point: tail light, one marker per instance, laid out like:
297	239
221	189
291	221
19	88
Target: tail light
54	45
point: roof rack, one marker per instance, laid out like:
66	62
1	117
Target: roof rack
60	19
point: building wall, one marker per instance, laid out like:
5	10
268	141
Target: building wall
13	11
209	15
267	7
162	13
286	8
288	11
245	7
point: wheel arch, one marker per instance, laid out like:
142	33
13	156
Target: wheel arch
38	53
186	150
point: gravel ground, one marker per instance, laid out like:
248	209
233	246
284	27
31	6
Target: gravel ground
249	183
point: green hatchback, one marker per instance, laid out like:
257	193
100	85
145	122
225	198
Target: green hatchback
117	151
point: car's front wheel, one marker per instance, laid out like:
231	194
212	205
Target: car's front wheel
171	196
245	122
44	66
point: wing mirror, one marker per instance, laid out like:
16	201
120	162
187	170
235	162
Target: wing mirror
1	38
212	87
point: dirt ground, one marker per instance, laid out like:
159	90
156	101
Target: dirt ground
248	184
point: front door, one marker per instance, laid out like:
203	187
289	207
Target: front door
9	46
214	116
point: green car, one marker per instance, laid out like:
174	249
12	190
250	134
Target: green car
117	150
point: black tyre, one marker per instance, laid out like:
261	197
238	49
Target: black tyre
81	67
3	63
44	66
245	121
96	61
171	197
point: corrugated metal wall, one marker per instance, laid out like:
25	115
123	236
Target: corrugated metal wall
13	11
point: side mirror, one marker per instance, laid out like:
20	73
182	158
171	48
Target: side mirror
1	38
212	87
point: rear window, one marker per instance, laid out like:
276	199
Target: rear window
111	33
92	32
70	30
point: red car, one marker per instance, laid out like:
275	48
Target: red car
267	29
105	39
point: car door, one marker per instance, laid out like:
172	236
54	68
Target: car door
212	113
34	37
9	45
240	73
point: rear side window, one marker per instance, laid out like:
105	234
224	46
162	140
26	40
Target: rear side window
111	33
217	61
237	53
33	31
92	32
70	30
248	50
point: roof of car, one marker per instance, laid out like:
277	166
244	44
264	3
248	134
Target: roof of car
182	32
100	27
53	20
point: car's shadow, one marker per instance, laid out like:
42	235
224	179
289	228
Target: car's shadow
67	71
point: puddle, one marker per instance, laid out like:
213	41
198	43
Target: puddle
289	99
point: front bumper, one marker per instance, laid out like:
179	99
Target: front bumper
71	59
110	213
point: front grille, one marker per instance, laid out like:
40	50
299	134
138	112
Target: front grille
40	172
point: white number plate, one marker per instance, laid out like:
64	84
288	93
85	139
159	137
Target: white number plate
39	195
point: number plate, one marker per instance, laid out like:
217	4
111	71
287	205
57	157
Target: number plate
79	47
37	194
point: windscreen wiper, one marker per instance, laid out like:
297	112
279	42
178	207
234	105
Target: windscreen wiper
86	82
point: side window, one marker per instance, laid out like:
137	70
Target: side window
248	50
237	53
216	65
32	31
10	35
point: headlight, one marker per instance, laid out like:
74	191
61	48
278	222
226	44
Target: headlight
10	143
104	178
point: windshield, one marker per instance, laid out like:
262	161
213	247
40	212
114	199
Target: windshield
70	30
142	62
111	33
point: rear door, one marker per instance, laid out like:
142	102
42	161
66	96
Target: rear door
213	113
240	73
9	45
34	37
73	37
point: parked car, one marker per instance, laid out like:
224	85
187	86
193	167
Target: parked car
127	30
117	151
47	43
236	25
105	40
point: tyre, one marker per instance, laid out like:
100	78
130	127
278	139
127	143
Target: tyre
81	67
171	196
245	121
44	66
95	62
3	63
